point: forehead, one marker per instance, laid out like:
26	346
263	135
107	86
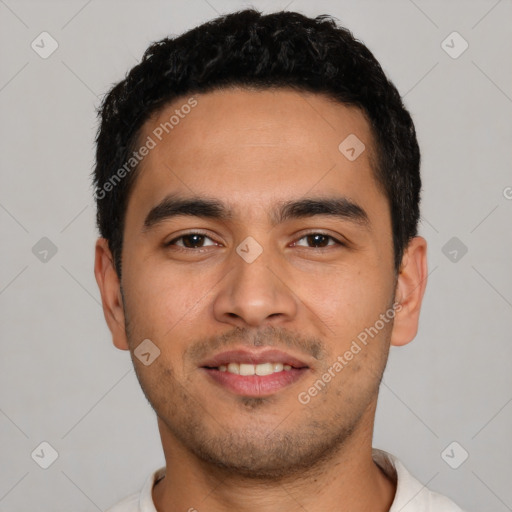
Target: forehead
253	147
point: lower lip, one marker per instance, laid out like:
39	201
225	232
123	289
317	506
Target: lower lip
256	385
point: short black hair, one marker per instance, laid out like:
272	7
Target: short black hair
249	49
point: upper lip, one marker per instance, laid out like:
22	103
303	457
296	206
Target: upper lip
253	357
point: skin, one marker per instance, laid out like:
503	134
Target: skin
252	150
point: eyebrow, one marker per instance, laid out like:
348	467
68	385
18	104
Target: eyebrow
339	207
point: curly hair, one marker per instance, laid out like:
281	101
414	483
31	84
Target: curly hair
249	49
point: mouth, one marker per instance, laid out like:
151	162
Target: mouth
254	374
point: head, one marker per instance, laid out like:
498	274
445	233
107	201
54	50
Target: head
257	182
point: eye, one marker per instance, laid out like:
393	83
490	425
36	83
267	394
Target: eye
191	241
198	240
320	240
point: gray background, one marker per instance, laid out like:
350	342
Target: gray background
61	379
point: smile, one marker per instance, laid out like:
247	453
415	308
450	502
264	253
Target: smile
261	369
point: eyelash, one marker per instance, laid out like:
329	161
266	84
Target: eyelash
201	249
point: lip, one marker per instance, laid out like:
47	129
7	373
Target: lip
255	385
253	357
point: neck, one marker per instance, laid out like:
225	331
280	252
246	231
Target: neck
346	480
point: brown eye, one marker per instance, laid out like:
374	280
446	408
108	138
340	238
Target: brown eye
318	240
191	241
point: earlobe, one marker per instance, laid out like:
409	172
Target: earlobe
110	289
410	288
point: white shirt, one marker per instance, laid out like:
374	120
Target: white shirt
411	495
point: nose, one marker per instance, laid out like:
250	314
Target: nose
254	294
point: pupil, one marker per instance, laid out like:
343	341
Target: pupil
316	237
189	237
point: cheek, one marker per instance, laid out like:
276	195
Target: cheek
347	299
164	300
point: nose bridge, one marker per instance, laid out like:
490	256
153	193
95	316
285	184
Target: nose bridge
254	291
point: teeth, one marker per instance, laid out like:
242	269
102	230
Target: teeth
254	369
234	368
247	369
264	369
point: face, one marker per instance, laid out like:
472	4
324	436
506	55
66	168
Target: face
247	277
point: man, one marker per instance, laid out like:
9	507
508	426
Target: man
258	188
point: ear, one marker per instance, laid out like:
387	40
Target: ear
110	289
410	287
